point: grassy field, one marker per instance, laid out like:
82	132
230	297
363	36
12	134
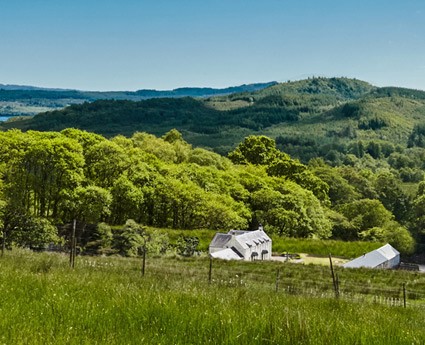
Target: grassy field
107	301
323	247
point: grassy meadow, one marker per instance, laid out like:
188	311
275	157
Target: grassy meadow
105	300
323	247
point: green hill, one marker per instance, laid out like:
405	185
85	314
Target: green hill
389	119
329	91
338	88
317	117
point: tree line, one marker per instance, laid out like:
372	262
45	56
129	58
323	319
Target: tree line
48	179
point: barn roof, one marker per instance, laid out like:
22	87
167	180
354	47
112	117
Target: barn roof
374	258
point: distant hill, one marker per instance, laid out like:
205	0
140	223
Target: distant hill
203	91
337	119
338	88
27	87
253	110
16	100
322	91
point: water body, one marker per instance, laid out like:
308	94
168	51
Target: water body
4	118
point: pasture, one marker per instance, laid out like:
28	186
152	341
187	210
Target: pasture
106	300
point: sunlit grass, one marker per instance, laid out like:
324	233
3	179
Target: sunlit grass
323	247
107	301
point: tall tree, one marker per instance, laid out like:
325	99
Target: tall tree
255	150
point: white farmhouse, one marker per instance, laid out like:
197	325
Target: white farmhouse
241	245
384	257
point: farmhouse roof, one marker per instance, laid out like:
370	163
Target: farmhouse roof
220	240
227	254
245	238
237	244
248	239
374	258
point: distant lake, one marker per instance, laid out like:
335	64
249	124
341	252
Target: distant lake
4	118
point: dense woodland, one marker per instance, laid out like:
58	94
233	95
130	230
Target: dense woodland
320	158
51	178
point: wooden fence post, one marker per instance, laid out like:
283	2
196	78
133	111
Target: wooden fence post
210	271
404	295
73	245
335	284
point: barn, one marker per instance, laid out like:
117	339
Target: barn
241	245
383	257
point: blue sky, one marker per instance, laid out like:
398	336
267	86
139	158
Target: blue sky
164	44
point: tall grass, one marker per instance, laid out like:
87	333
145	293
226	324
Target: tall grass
107	301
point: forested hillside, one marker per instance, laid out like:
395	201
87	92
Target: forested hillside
18	100
323	158
51	178
285	102
337	119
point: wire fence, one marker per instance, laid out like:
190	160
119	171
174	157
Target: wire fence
322	287
318	282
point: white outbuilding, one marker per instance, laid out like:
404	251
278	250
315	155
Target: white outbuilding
384	257
241	245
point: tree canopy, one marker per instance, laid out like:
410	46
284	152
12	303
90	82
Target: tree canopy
52	178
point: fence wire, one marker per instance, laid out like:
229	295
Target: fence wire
227	275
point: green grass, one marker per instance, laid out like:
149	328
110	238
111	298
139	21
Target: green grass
106	301
323	247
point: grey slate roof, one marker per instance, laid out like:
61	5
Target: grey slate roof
251	238
220	240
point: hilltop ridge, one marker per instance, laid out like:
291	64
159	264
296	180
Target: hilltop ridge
315	117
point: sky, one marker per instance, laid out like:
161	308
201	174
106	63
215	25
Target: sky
166	44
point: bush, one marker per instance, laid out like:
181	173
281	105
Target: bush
186	245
